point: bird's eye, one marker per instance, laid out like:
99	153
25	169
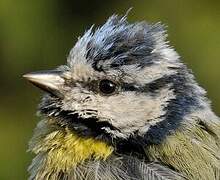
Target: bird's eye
107	87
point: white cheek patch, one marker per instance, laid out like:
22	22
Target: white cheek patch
127	111
130	111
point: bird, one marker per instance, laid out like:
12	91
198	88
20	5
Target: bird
123	106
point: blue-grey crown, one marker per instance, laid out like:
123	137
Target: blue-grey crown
121	43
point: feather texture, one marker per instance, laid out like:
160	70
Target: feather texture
157	125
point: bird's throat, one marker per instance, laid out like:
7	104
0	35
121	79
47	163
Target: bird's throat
59	149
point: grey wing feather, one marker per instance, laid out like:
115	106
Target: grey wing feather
150	171
155	171
123	168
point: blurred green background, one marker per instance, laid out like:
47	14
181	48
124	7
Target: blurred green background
38	34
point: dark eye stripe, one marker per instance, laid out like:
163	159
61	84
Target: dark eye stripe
152	87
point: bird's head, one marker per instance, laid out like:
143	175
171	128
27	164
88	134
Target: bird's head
121	81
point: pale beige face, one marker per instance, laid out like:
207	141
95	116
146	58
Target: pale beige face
135	60
128	111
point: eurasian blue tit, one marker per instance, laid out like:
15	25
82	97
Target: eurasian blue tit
124	107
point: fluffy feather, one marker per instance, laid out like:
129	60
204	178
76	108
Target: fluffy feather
158	124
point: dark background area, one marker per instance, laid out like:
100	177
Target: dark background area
38	34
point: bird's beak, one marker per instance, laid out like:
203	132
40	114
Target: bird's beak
49	81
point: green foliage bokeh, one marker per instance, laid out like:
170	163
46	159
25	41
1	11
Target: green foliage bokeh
38	34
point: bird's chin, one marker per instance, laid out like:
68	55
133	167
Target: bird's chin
84	126
89	127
